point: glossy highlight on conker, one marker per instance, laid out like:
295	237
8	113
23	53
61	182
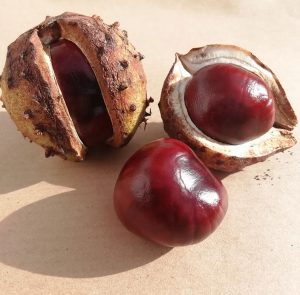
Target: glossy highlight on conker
81	93
164	193
229	104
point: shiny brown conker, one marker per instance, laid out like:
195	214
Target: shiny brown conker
229	104
164	193
81	93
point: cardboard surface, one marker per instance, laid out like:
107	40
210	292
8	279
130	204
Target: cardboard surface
58	230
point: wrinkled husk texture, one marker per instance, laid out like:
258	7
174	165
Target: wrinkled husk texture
217	155
32	97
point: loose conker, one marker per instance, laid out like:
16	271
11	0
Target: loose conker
164	193
227	106
74	82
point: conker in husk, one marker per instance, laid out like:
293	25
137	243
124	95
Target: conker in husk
81	93
227	106
164	193
73	82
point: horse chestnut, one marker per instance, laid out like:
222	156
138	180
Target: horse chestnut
81	93
74	82
227	106
164	193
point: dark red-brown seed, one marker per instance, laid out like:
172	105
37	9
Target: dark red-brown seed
164	193
229	104
81	93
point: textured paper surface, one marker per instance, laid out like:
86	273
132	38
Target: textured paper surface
58	231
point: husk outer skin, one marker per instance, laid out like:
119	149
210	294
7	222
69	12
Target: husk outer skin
31	95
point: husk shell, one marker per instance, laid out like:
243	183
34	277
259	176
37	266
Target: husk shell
217	155
32	97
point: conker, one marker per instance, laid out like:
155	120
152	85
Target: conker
228	106
74	82
81	93
164	193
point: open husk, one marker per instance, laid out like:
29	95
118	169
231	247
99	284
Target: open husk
32	97
217	155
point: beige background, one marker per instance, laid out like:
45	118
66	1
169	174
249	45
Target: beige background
58	231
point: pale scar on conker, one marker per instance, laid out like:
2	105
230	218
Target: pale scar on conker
227	106
73	82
